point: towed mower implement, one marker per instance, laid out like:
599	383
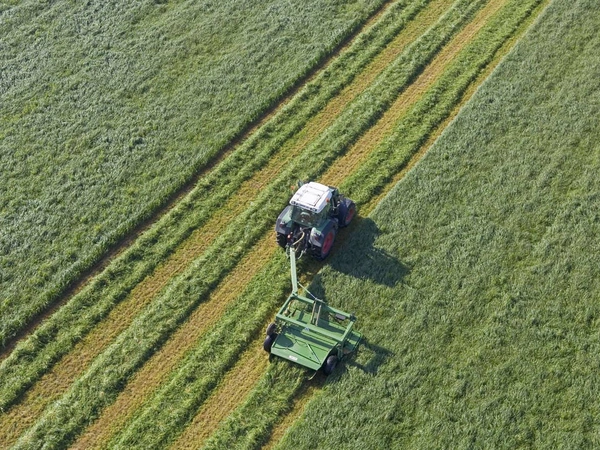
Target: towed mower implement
309	332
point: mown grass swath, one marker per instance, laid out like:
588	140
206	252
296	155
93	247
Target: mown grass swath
107	110
450	86
102	295
202	369
491	338
111	369
247	426
61	331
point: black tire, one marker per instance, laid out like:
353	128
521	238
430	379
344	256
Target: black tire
347	211
268	343
330	364
281	240
322	252
271	328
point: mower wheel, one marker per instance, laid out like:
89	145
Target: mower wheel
323	251
268	343
271	328
330	364
281	240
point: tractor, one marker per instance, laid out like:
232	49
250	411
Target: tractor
311	220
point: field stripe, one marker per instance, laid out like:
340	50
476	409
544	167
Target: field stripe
303	397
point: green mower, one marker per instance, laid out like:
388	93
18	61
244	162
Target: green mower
309	332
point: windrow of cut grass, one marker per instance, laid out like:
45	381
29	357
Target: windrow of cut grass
258	423
103	121
160	318
159	367
60	333
491	339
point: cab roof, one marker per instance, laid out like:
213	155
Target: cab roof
312	196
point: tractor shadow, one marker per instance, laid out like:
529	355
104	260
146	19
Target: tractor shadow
356	255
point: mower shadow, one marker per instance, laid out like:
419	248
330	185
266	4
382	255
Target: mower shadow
378	356
355	254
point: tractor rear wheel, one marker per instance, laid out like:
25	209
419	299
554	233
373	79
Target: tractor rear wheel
268	343
322	252
281	240
330	364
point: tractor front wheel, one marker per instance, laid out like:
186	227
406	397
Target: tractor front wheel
268	343
330	364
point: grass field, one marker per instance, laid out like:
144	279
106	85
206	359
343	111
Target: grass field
162	347
108	110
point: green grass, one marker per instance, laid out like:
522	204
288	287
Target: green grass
64	329
106	110
490	337
111	369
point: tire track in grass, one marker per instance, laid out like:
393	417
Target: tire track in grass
153	373
409	97
55	382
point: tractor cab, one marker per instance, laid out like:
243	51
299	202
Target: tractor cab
311	204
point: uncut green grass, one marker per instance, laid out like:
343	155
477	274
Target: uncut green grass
108	109
57	335
81	404
489	337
